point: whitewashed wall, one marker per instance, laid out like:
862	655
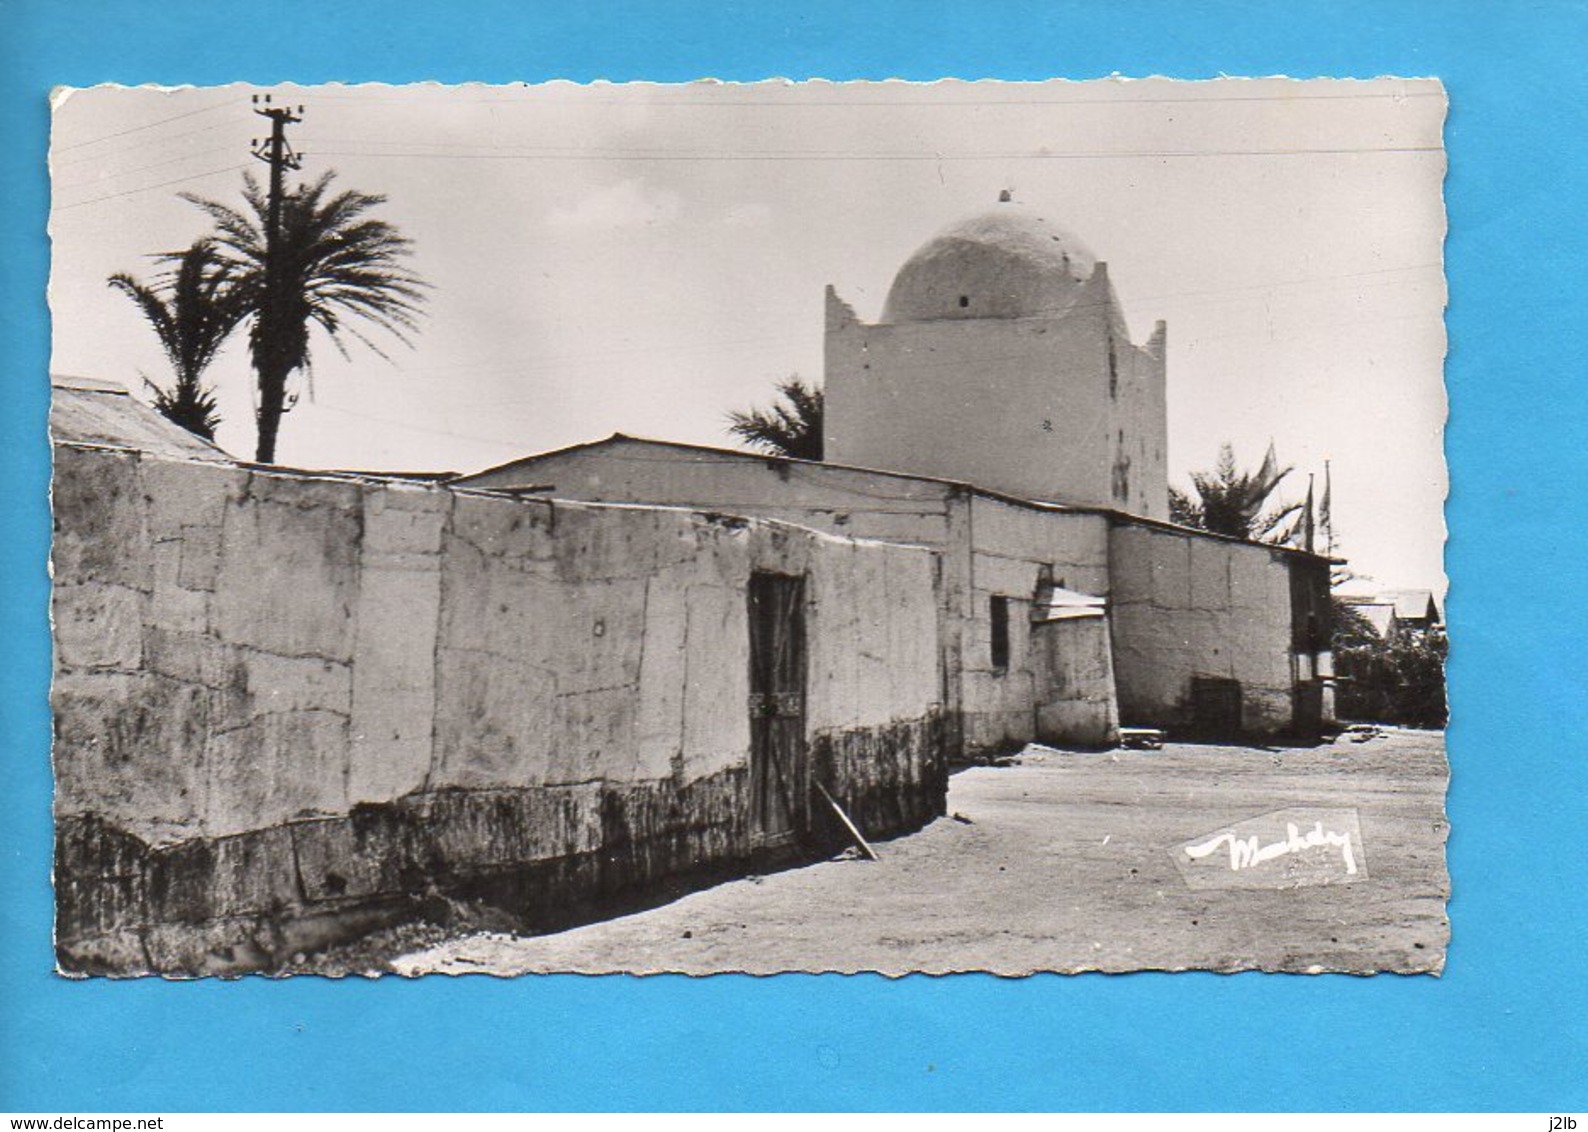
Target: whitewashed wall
1185	605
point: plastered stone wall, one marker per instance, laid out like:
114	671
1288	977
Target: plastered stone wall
417	686
845	502
1016	548
987	546
1184	605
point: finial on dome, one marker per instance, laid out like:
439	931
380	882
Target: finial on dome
1005	196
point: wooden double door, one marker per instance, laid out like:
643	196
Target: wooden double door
779	763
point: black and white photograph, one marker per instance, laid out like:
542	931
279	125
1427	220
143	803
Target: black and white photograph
783	526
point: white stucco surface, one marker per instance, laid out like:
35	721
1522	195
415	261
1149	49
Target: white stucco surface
1003	359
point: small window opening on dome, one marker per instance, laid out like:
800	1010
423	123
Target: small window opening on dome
964	300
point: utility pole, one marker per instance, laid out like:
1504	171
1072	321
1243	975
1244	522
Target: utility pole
272	364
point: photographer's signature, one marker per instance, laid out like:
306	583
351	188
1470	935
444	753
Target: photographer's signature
1247	852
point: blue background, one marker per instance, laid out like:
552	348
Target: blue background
1504	1029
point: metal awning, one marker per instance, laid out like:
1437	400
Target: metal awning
1055	603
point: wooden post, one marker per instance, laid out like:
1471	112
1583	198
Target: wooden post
860	840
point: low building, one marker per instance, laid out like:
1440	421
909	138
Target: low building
1189	631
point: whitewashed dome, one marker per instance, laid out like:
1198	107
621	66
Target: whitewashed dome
1006	263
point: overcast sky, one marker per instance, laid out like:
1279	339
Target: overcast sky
644	258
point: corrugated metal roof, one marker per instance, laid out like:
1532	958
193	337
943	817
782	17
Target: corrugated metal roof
89	411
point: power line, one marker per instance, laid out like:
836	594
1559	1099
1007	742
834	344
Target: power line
56	163
715	100
532	364
150	188
149	125
835	155
143	168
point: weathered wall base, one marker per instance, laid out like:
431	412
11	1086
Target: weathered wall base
548	856
896	777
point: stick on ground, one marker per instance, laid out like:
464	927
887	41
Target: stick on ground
854	831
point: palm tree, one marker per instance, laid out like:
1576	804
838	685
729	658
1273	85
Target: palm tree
335	267
193	307
792	428
1231	502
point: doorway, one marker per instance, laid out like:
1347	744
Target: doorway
779	772
1215	708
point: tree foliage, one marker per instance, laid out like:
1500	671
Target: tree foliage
1228	501
338	269
193	307
1351	629
792	426
1400	680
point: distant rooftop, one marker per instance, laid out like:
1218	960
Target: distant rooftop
86	410
1407	605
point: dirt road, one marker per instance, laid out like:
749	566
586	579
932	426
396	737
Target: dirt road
1067	862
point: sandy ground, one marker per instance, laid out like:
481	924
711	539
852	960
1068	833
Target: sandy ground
1067	862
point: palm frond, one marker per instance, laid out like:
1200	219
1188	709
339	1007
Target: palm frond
338	269
1228	501
790	428
193	307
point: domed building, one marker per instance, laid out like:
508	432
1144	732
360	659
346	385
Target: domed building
1003	358
1016	265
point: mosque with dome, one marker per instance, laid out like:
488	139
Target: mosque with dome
1001	413
1003	359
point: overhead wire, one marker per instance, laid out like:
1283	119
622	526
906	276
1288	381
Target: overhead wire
56	162
572	154
152	125
533	364
141	168
715	99
151	188
577	359
450	433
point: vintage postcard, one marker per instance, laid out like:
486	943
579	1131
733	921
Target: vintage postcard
772	527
